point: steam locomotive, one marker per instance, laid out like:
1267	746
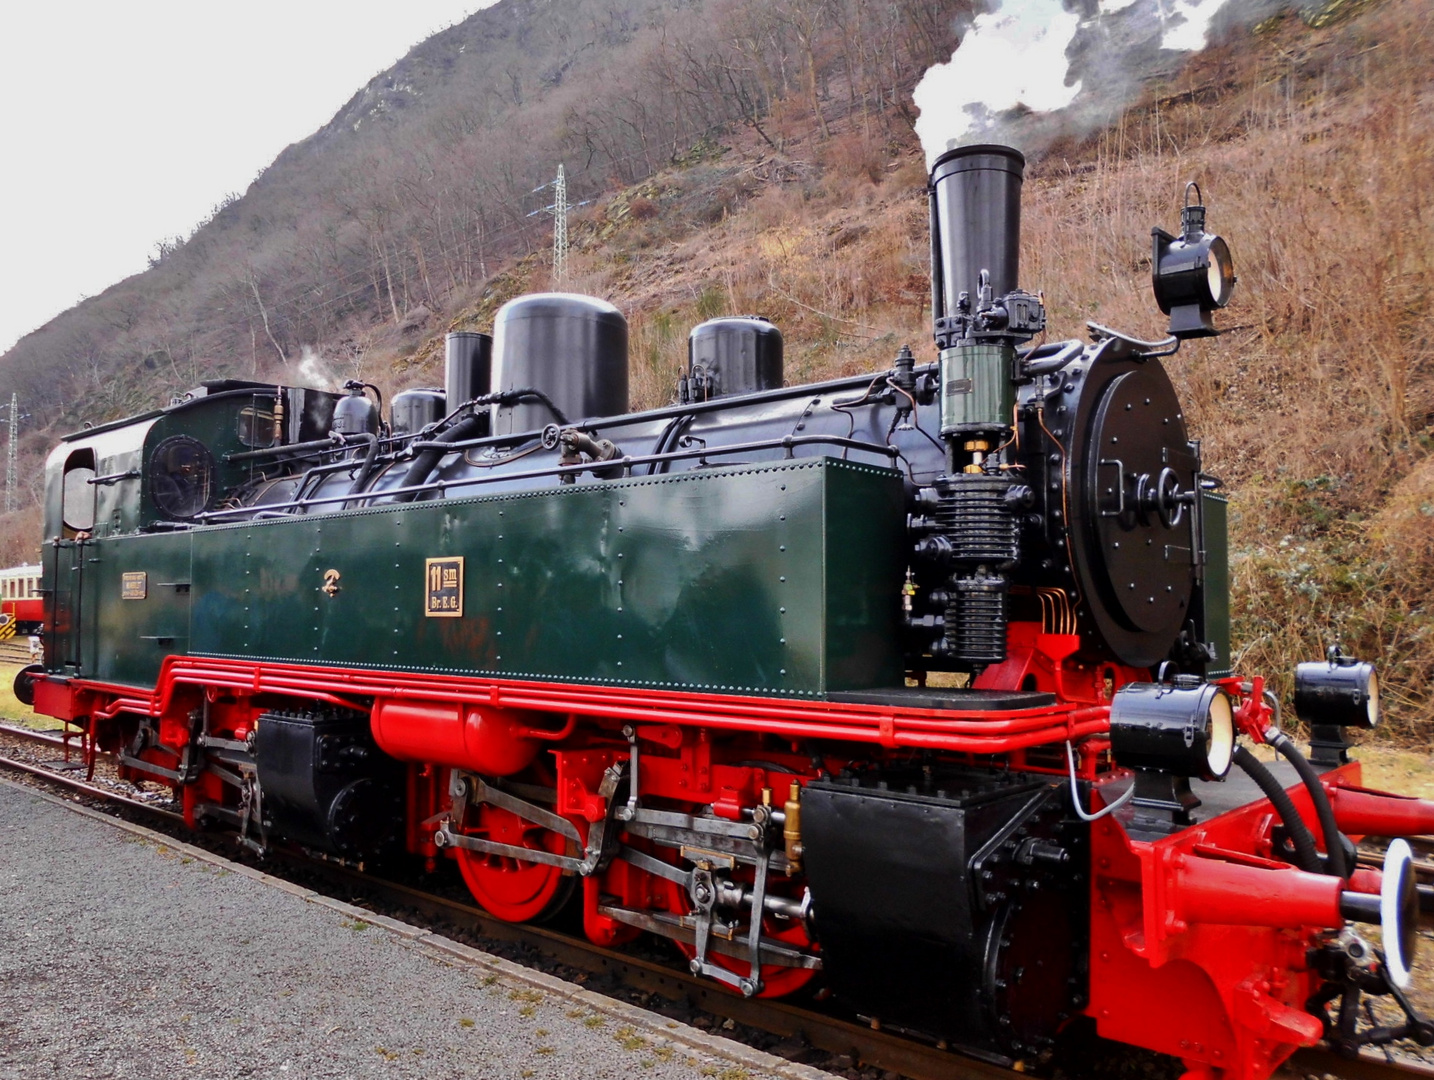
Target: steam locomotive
917	684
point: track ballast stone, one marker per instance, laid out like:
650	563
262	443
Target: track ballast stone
125	955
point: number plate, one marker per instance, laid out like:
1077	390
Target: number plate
443	588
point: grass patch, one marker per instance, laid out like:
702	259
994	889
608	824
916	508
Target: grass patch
13	709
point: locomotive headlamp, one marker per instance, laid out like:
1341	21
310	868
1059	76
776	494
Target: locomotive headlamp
1192	274
1179	729
1339	691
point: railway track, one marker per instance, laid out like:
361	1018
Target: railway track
846	1042
15	650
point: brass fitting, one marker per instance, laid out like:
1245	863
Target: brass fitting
792	828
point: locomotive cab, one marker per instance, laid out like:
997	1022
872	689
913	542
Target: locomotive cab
165	468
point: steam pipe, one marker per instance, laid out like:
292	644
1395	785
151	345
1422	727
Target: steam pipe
1069	350
427	459
440	446
1306	855
334	441
366	469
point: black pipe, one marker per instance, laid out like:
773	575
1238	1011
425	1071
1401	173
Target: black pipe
666	439
1034	365
529	393
1333	838
1306	854
407	492
366	468
332	442
427	460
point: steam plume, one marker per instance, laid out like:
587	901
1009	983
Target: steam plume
1035	56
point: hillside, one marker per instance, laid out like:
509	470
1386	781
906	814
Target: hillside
365	235
1308	132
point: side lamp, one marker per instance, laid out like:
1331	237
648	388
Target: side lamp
1192	274
1332	695
1169	733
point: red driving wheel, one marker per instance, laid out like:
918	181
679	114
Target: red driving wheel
513	890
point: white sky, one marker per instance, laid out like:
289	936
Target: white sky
124	123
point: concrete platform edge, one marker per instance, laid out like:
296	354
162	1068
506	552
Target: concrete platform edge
455	953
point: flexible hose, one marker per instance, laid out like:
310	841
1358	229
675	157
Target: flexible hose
1333	838
426	461
1306	854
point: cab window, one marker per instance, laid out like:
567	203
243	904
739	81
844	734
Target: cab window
78	506
181	477
256	427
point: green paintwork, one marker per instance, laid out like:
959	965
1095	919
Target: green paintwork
777	579
131	637
1214	538
976	388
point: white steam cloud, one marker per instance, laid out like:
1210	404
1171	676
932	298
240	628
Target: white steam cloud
1018	56
312	370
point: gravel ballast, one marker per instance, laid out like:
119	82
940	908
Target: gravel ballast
124	954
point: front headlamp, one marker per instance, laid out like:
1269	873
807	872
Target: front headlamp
1193	274
1183	730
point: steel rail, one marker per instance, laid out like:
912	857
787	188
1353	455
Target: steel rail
47	738
53	738
1369	1065
88	788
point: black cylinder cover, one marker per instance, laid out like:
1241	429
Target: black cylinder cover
414	410
977	221
949	903
325	784
740	354
571	348
467	366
